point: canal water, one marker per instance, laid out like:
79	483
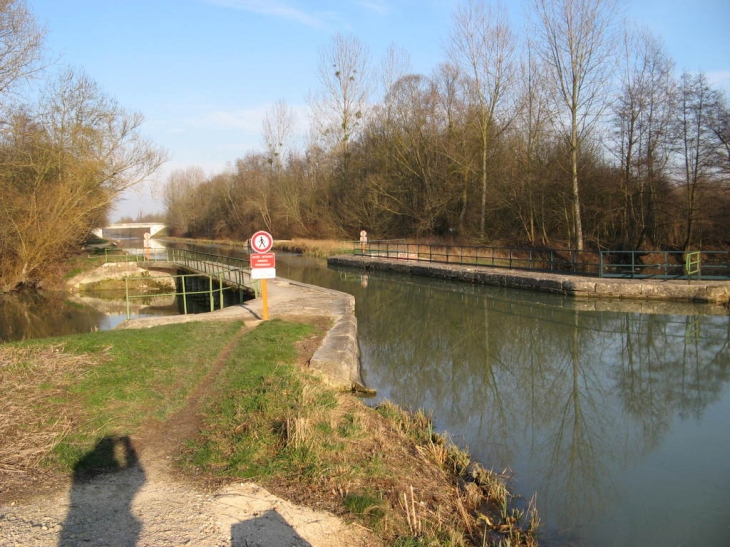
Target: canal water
615	416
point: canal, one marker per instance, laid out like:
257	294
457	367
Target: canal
613	415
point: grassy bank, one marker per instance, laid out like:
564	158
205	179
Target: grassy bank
63	394
264	417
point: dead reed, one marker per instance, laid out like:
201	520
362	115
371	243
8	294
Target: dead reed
38	415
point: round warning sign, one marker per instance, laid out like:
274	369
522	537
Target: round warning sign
261	242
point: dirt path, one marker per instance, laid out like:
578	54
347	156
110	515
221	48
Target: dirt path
146	503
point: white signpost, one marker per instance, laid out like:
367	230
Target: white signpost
263	265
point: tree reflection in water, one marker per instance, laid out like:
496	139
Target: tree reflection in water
568	397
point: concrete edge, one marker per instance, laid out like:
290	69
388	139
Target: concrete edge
338	357
712	292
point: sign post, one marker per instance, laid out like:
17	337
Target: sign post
263	266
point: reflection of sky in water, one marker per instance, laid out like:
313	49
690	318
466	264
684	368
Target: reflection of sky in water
678	494
112	320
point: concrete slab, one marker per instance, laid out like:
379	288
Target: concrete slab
716	292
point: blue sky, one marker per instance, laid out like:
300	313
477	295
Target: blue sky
204	72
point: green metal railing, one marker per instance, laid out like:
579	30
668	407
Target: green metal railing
693	265
603	263
214	292
222	272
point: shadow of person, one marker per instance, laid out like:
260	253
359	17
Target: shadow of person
104	483
269	529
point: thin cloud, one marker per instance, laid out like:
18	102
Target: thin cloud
275	8
247	119
378	6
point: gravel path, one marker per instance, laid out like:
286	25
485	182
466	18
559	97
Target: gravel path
143	507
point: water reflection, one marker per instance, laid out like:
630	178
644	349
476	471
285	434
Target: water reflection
30	314
579	401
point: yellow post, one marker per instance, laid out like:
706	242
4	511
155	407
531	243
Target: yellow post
264	301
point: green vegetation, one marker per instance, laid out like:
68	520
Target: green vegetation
113	382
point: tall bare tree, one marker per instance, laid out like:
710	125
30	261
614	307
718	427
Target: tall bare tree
482	46
278	133
339	108
642	120
698	146
179	196
577	40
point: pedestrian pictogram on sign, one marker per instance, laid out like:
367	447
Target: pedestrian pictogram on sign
261	242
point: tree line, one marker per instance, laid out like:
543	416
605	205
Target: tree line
575	132
67	150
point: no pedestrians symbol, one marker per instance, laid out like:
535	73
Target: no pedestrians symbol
261	242
263	266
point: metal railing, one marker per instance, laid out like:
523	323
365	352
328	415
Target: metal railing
222	273
214	291
693	265
625	264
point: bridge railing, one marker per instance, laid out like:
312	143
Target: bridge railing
223	272
604	263
214	290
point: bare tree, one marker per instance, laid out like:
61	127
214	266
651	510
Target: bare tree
482	46
577	43
278	132
179	196
61	167
698	146
21	41
338	110
531	138
642	120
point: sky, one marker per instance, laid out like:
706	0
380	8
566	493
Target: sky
205	72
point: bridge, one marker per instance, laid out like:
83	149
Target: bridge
152	227
209	276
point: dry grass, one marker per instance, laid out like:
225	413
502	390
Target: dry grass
320	248
38	416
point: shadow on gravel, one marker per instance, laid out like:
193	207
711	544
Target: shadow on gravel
270	529
105	482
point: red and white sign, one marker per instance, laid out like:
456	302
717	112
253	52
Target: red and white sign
261	242
263	265
263	260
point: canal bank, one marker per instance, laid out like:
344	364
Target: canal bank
338	358
716	292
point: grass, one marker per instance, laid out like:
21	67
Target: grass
96	385
265	418
320	248
271	422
